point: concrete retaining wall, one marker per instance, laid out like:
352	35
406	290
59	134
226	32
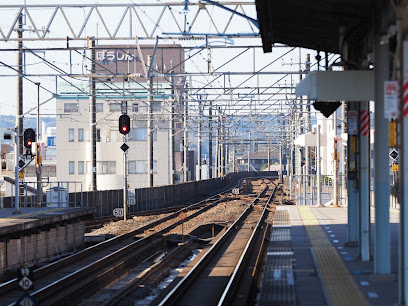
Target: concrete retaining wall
40	247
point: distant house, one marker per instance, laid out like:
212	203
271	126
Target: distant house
258	159
5	149
276	167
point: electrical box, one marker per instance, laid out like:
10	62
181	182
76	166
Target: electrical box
57	197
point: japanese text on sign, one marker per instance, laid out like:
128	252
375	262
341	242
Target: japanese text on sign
390	99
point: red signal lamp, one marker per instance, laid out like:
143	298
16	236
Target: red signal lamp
124	124
29	138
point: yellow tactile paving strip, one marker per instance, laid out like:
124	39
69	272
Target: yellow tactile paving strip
340	286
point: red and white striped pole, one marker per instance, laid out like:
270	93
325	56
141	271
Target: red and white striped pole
405	101
364	122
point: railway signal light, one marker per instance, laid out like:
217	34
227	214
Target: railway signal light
29	138
124	124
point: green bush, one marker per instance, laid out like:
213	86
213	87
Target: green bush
264	166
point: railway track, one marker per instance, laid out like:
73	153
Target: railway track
101	221
71	280
248	233
215	277
98	261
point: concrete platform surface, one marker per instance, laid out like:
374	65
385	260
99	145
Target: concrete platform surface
377	289
29	218
310	244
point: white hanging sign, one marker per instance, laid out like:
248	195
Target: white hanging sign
390	99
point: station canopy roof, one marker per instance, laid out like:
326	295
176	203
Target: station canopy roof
314	24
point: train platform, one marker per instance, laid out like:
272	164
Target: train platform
31	218
309	263
37	235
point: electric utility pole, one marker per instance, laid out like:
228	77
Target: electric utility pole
149	127
307	130
210	141
171	129
92	113
19	113
199	142
185	138
249	153
38	158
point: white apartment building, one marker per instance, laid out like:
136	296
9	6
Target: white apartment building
74	146
73	125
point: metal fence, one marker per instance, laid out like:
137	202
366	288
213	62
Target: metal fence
55	194
159	197
303	189
70	194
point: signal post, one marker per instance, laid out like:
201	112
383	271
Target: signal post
124	129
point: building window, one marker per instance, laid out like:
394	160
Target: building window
81	167
140	167
106	167
114	107
49	171
99	107
135	107
51	141
140	134
71	167
81	135
71	107
30	171
132	167
107	136
71	135
114	135
156	106
112	167
98	135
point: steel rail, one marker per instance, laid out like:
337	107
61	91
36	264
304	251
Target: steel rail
177	291
55	266
49	291
142	277
230	288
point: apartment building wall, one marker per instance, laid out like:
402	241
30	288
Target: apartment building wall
74	147
114	63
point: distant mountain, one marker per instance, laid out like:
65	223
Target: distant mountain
28	122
